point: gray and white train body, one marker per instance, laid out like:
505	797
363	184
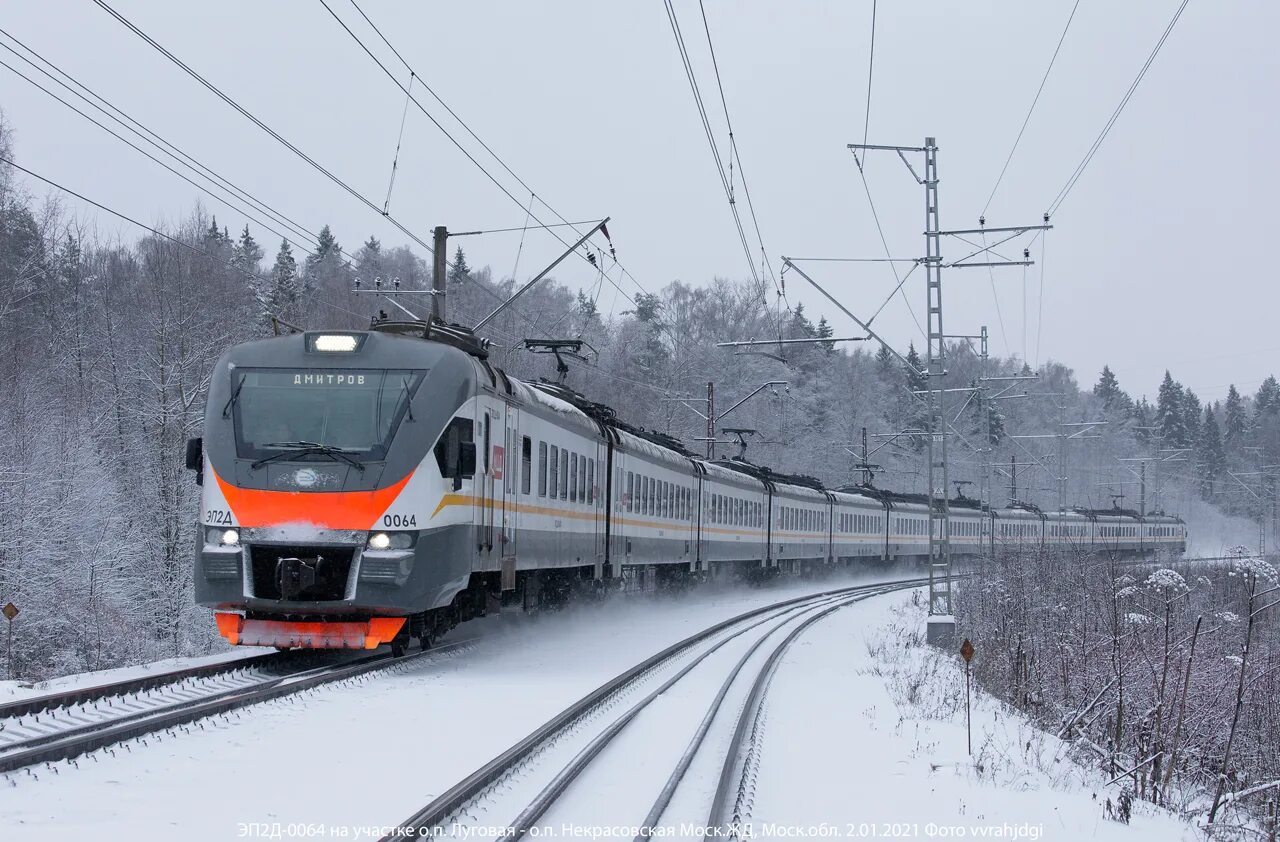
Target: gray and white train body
361	487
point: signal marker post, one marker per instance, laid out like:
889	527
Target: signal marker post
966	652
10	611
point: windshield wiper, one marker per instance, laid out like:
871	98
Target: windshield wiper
306	448
408	398
226	410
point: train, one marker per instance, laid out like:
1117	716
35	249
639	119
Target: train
371	487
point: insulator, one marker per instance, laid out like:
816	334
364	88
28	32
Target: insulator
397	283
377	282
357	283
982	221
1026	254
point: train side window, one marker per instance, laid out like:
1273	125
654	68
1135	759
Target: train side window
459	430
553	483
526	464
582	479
573	477
542	469
591	482
564	474
631	491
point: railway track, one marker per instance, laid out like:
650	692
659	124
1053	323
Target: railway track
65	725
559	772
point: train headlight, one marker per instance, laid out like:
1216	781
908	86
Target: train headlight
223	537
390	540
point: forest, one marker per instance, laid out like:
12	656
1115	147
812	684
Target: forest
1166	679
107	342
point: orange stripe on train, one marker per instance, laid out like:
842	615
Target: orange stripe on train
327	509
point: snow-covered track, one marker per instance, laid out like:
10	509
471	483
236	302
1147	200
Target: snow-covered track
66	732
94	692
471	795
731	805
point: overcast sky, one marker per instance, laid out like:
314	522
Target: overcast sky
1160	257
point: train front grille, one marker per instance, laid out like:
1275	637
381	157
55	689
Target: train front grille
301	573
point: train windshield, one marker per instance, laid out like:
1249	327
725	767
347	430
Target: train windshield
354	410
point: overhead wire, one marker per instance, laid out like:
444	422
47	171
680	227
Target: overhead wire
737	156
467	128
884	242
170	238
875	215
220	199
108	109
871	67
723	172
1115	115
395	160
1036	99
279	138
218	92
467	153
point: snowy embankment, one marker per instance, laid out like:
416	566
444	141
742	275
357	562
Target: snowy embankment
866	733
864	738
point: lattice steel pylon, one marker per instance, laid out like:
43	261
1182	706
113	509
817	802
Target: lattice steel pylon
940	612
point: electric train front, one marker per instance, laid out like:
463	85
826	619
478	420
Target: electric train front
318	484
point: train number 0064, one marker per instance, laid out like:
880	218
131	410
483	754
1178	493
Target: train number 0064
399	521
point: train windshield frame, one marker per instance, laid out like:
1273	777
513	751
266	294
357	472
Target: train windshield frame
355	410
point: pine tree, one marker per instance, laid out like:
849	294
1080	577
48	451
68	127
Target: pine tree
825	331
1211	457
1169	413
1191	416
587	309
247	254
884	363
369	261
286	286
216	237
1267	401
1235	420
325	243
459	270
1109	392
800	326
916	382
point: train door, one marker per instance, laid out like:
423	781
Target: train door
619	499
488	490
597	474
511	468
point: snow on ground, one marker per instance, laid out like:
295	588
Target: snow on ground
364	753
863	733
866	733
12	691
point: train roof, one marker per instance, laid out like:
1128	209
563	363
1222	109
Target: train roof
1115	511
385	345
894	498
768	475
